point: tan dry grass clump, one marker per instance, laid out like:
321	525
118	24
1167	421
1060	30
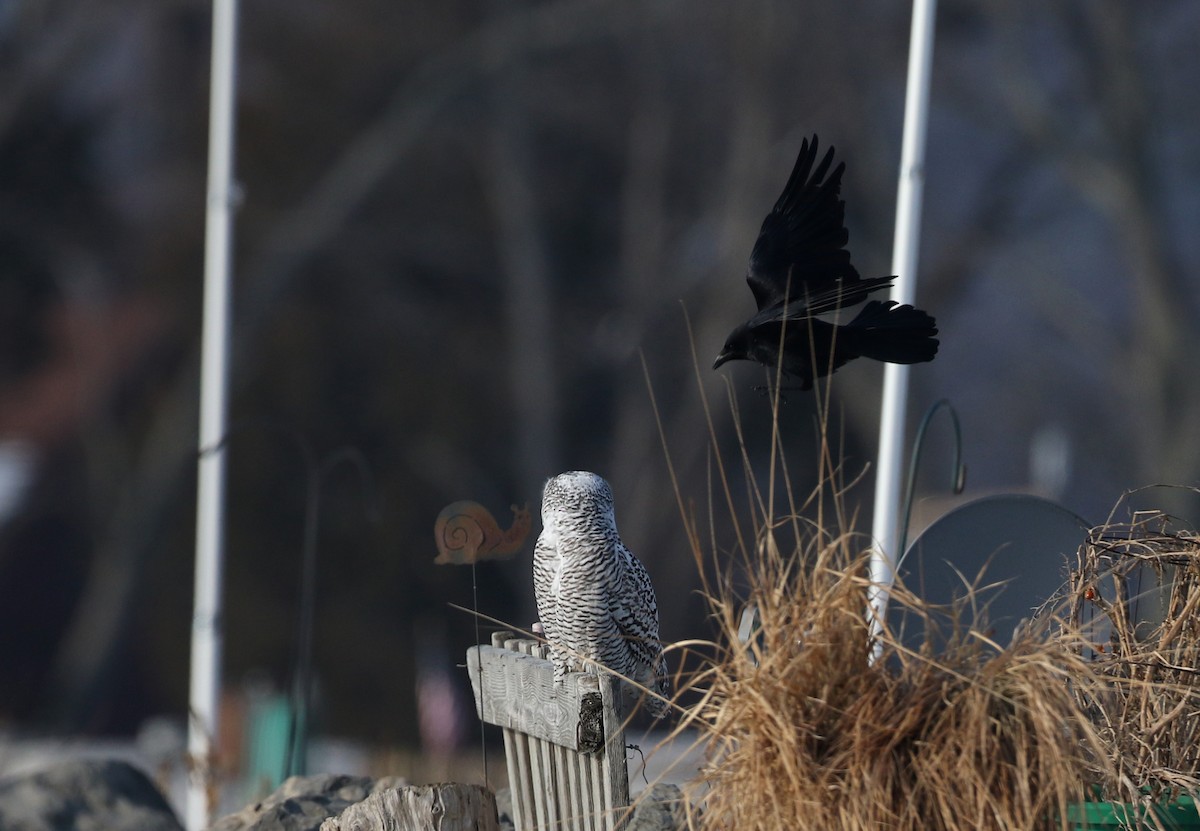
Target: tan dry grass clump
1146	706
803	731
806	733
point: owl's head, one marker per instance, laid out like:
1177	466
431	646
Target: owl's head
576	493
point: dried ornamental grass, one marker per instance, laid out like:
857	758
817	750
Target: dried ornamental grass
804	732
1146	702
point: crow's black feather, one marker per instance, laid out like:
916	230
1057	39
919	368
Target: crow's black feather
800	268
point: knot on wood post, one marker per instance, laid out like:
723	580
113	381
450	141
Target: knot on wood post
590	732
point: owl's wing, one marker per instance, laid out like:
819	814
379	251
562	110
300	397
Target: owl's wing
636	612
545	554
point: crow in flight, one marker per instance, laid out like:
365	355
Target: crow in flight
800	269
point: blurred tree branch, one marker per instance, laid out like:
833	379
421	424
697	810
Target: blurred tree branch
85	663
1108	152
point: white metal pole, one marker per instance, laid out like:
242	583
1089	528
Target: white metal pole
206	619
904	266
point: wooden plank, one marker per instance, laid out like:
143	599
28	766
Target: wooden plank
514	780
616	770
537	775
586	791
550	782
568	784
554	759
524	783
591	783
582	791
517	692
596	780
541	772
519	806
568	803
554	803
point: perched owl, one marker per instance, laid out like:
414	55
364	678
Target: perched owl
593	596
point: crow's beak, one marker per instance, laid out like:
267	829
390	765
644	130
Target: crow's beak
722	358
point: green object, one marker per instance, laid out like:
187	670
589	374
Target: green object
268	728
1179	814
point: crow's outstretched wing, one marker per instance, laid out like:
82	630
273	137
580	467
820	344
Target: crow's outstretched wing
828	299
801	248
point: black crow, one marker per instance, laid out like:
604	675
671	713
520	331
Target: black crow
800	269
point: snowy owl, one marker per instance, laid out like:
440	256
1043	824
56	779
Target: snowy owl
594	597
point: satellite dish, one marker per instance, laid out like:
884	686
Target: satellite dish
1024	542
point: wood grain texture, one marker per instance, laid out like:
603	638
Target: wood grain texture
616	772
519	785
449	807
564	745
517	692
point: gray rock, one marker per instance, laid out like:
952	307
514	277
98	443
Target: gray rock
660	807
85	795
302	803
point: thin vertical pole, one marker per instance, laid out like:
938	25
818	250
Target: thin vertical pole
206	619
904	266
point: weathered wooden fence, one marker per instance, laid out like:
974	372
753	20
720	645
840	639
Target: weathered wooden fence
565	746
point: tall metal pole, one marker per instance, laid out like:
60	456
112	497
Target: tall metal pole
904	266
206	619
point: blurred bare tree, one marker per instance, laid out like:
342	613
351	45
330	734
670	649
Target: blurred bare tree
465	227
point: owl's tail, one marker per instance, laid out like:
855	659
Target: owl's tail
659	705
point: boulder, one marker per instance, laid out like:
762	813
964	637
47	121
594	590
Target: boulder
85	795
660	807
302	803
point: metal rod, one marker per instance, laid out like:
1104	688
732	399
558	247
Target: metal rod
904	266
206	618
958	471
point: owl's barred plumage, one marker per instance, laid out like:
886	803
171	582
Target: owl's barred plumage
594	597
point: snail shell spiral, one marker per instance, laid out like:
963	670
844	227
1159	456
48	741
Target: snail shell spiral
463	531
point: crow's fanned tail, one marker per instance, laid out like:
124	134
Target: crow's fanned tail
889	332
